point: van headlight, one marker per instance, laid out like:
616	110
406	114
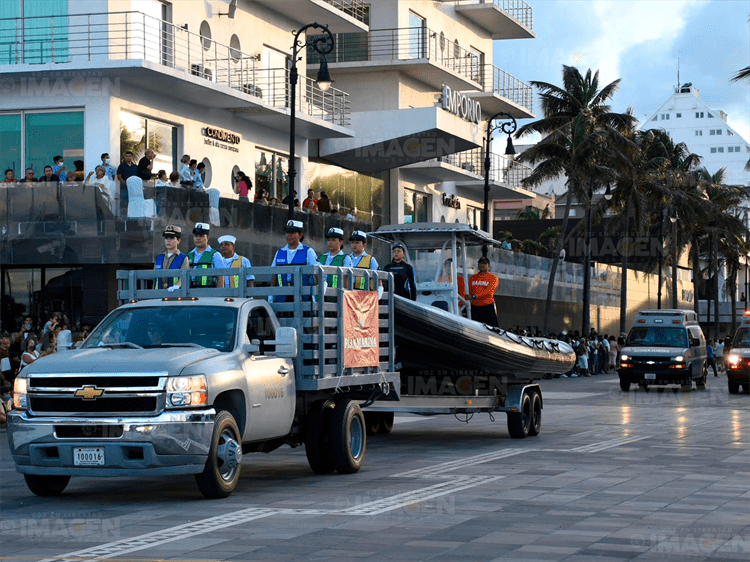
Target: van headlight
624	357
20	396
678	359
734	360
186	392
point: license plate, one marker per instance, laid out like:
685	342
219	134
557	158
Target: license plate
650	376
88	456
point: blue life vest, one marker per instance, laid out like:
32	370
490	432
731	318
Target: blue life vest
287	279
176	264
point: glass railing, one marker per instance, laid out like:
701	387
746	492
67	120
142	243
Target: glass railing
119	36
517	9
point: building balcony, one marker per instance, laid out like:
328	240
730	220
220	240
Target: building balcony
502	91
506	175
341	16
457	167
136	50
417	52
501	19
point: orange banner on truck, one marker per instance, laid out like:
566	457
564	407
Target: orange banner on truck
361	334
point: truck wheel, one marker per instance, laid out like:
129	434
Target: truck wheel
386	422
348	437
734	388
536	414
43	485
317	438
624	385
222	471
373	422
519	423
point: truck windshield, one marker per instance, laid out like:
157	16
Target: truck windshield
742	338
657	336
148	327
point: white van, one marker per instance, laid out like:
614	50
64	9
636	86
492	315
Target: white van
664	347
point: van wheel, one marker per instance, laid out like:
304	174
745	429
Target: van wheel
222	471
734	388
700	384
386	422
44	485
519	423
535	427
624	385
318	439
348	437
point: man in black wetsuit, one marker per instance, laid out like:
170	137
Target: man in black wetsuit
404	283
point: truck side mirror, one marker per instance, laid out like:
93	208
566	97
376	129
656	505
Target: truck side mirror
285	342
695	342
252	347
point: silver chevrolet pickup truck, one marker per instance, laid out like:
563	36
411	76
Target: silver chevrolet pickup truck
189	381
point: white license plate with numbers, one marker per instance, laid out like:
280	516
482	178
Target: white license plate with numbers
88	456
650	376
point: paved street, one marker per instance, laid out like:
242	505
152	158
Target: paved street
613	476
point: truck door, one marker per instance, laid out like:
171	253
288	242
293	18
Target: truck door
270	381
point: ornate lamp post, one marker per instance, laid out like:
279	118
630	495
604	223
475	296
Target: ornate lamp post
322	45
508	127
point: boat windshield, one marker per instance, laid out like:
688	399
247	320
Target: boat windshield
183	326
657	336
434	267
741	338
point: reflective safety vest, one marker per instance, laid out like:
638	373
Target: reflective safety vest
287	279
234	280
204	262
337	261
176	264
364	263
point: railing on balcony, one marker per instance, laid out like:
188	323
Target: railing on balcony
354	8
136	36
503	170
517	9
405	44
508	86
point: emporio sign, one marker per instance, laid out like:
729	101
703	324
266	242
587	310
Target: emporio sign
461	105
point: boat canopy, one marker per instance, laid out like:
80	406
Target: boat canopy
432	235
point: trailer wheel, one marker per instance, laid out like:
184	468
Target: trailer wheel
519	423
348	437
318	437
386	422
536	414
624	385
222	471
373	422
43	485
734	387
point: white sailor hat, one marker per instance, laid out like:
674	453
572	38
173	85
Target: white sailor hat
294	226
335	232
227	238
201	228
360	235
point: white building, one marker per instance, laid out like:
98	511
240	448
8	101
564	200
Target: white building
705	131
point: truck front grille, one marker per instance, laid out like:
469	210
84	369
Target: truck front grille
104	404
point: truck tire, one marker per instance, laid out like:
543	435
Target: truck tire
519	423
44	485
318	437
348	437
734	387
373	421
535	427
222	471
624	385
386	423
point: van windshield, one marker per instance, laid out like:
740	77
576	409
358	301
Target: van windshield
657	336
742	338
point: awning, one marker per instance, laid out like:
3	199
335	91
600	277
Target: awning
389	139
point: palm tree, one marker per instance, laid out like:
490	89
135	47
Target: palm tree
580	133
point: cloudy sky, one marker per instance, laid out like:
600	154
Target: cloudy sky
640	42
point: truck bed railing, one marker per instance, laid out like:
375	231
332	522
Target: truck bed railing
313	307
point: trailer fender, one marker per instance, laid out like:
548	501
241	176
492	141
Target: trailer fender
515	395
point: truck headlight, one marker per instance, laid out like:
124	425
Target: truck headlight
185	392
20	398
678	359
624	357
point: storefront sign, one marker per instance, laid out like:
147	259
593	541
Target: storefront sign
361	335
221	138
451	201
461	105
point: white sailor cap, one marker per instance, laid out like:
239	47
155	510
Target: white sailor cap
201	228
335	232
294	226
227	238
360	235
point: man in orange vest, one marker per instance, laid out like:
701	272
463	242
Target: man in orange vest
482	287
229	258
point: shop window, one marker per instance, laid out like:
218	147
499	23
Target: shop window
349	189
138	133
272	174
415	206
50	134
205	32
10	140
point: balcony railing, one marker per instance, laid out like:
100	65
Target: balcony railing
517	9
119	36
354	8
503	170
508	86
405	44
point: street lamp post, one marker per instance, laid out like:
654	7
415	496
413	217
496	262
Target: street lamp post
673	220
322	45
508	127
